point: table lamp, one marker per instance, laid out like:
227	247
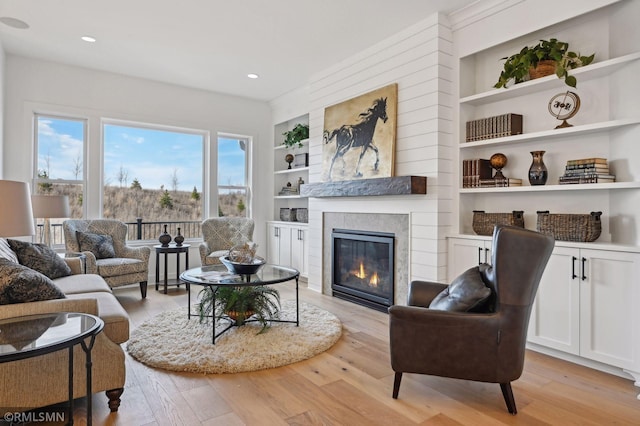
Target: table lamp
16	215
48	207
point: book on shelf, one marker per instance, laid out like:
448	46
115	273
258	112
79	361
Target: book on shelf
586	167
474	170
493	127
499	182
587	161
587	178
590	170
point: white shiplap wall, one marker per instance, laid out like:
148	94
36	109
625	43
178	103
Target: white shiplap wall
419	60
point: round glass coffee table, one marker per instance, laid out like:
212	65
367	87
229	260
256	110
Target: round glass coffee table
214	276
34	335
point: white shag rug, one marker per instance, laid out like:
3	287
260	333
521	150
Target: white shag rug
172	342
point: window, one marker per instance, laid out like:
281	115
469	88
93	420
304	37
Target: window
233	176
153	176
59	170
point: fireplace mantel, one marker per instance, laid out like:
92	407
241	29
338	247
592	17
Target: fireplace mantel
397	185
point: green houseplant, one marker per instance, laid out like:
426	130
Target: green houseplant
240	303
294	136
518	66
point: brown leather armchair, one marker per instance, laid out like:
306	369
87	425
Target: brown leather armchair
485	347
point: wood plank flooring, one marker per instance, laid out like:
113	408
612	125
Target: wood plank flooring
351	384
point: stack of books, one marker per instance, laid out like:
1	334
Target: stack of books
500	182
587	170
494	127
475	170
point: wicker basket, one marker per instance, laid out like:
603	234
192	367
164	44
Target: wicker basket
483	223
570	227
544	68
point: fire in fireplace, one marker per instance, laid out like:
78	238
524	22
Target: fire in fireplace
362	267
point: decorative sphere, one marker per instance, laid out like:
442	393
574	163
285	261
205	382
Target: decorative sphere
498	161
289	158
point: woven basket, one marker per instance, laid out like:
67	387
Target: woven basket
544	68
483	223
570	227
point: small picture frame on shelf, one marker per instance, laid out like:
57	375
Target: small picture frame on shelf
301	160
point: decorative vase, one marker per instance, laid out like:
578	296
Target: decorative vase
178	239
165	238
538	171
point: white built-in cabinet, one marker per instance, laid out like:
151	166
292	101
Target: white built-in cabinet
287	245
586	309
587	301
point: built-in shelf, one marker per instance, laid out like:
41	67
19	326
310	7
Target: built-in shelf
555	133
546	188
596	70
397	185
290	197
283	147
292	170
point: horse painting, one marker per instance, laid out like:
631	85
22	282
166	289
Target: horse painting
359	135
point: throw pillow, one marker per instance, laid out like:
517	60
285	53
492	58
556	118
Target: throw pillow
6	252
467	293
100	245
41	258
19	284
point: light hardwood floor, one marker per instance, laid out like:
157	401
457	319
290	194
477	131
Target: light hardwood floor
351	384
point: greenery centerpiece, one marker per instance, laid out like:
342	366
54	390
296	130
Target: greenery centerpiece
241	302
517	67
296	135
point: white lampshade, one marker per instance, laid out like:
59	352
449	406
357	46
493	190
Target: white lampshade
16	215
50	206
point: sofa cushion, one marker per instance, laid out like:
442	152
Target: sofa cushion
467	293
99	244
116	319
120	266
19	284
82	283
41	258
6	252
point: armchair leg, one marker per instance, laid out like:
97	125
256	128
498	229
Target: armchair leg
143	289
114	398
396	385
507	393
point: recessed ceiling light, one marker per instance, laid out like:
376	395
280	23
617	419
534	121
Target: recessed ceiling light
88	39
14	23
252	75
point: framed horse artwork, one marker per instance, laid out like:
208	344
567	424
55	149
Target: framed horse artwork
360	136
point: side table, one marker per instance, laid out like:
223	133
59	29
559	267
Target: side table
34	335
171	248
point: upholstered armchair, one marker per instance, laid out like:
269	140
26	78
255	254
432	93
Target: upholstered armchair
222	233
466	332
103	241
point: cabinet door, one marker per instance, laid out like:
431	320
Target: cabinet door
608	305
464	254
555	316
273	243
299	249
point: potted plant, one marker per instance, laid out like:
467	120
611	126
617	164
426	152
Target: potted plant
518	67
240	303
296	135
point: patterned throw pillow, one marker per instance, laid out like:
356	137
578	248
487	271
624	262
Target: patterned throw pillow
6	252
41	258
19	284
100	245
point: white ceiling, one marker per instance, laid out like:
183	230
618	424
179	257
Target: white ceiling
210	44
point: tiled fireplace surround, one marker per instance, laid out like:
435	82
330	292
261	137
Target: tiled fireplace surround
397	224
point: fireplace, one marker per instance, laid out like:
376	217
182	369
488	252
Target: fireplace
362	267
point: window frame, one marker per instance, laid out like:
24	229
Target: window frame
248	171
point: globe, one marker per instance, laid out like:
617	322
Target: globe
498	161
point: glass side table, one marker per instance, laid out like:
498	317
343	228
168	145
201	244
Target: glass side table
35	335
